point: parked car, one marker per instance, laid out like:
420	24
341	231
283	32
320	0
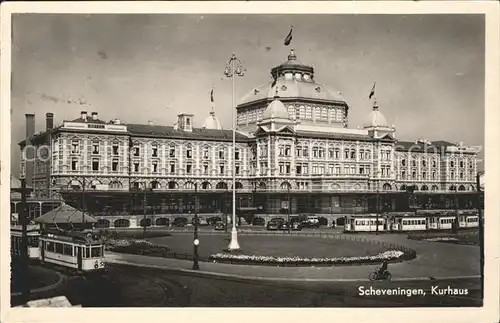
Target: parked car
312	221
179	222
296	226
274	224
201	221
284	226
219	225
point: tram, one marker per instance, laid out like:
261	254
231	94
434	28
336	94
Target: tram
421	220
78	251
16	235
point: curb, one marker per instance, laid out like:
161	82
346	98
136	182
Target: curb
204	273
43	289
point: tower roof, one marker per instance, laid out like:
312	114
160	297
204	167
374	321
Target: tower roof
376	118
212	122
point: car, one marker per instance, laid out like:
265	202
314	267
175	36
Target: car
179	222
201	222
284	226
296	226
274	224
219	225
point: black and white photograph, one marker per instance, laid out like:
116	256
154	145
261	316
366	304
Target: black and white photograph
246	159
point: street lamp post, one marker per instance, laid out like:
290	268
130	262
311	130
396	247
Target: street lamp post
23	217
144	211
195	239
289	206
234	68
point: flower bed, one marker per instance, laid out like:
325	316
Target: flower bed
390	255
137	247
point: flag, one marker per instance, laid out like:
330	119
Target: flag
372	92
212	96
288	38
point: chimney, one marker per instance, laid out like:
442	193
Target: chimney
84	115
116	121
29	151
49	121
94	115
150	123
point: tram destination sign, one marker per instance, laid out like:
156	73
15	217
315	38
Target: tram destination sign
22	174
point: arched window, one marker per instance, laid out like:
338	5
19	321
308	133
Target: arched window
285	186
221	185
387	187
172	185
239	185
189	186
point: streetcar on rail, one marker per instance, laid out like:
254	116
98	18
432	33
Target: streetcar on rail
16	235
421	220
77	251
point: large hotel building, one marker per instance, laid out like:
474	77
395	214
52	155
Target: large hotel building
294	154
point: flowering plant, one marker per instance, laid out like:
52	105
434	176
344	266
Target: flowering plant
239	258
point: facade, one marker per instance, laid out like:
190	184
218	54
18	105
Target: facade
295	153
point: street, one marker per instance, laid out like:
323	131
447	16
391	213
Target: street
126	286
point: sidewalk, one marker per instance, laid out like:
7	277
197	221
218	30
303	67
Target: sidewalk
438	260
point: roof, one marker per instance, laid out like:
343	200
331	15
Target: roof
333	135
65	214
15	183
309	90
88	120
376	119
171	132
421	147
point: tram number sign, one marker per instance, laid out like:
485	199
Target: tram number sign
22	174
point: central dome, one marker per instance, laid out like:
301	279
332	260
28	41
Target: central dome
293	80
211	122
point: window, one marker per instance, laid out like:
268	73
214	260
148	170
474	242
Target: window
433	175
221	153
155	166
189	152
68	250
424	175
452	174
115	149
95	164
237	169
353	154
172	168
298	169
205	152
424	163
434	163
461	164
288	150
403	174
95	251
287	168
282	168
59	248
414	163
136	166
154	152
95	148
74	164
298	151
403	162
337	153
75	147
136	151
237	154
315	151
171	152
114	165
346	153
221	169
461	175
205	169
189	168
452	163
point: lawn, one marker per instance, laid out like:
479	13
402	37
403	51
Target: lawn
281	246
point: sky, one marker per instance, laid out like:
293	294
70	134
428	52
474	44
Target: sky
429	69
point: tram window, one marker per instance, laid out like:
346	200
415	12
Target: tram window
33	241
87	252
50	246
59	247
68	250
96	252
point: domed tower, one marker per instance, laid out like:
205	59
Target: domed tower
211	121
307	102
275	115
376	124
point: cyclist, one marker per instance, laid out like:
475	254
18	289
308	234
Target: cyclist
383	268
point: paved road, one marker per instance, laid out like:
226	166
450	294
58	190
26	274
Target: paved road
433	260
142	287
